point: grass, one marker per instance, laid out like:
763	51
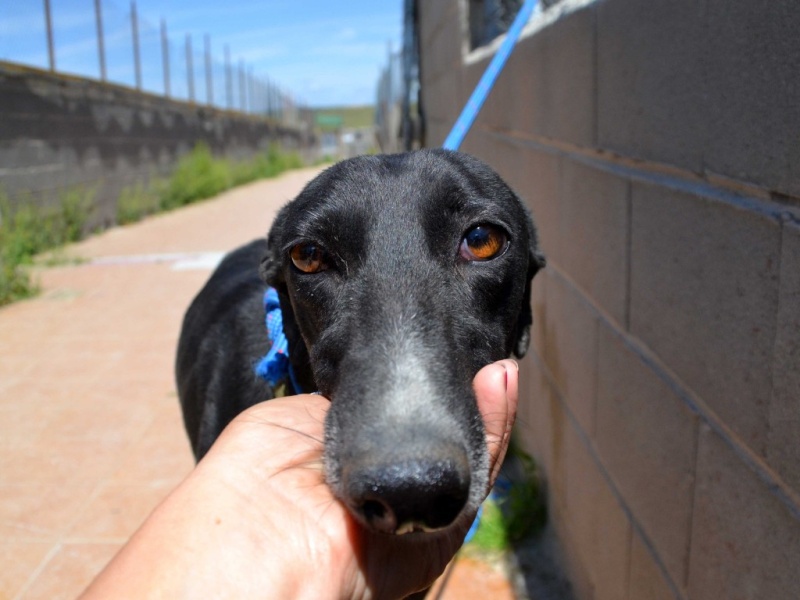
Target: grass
513	511
27	229
200	175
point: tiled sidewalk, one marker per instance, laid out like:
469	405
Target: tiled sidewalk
91	436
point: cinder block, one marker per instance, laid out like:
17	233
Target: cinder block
593	228
494	151
528	386
543	429
498	111
568	85
539	176
578	573
571	349
525	84
753	98
539	306
440	96
646	437
583	484
704	294
612	546
547	87
647	581
472	72
436	131
649	89
783	446
745	540
533	425
443	50
433	15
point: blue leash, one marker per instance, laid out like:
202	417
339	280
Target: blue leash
485	85
470	113
275	367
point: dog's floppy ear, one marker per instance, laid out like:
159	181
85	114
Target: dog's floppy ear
271	271
271	265
536	261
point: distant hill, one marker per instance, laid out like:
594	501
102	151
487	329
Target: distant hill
351	116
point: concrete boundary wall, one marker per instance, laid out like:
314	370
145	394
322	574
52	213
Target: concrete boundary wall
59	132
657	146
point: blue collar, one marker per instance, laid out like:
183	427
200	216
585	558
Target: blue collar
275	367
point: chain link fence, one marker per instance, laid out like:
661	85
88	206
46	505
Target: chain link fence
398	116
105	40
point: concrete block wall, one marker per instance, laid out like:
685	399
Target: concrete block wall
657	146
58	132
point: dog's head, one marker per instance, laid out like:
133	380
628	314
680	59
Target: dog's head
401	276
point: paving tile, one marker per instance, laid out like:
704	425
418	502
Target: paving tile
116	511
162	456
70	570
40	512
20	560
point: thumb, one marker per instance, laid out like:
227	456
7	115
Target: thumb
497	390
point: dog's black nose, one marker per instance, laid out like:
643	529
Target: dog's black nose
422	494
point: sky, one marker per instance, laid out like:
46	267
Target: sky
323	52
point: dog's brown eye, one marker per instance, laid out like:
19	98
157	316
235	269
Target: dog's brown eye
309	258
483	242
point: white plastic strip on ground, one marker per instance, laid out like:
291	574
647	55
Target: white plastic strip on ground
181	261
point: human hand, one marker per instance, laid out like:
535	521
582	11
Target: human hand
255	519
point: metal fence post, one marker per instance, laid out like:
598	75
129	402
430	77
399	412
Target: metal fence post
189	67
250	91
209	73
242	91
137	64
101	51
165	56
49	24
228	77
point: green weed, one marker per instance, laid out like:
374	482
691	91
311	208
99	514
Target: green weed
27	229
510	517
199	175
135	203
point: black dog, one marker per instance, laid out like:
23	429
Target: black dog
399	277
